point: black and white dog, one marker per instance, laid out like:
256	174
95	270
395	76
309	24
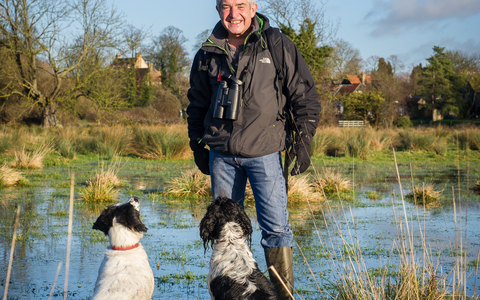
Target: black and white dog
234	273
125	272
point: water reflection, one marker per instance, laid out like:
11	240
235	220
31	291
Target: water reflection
173	244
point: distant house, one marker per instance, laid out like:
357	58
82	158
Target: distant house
141	68
351	84
417	109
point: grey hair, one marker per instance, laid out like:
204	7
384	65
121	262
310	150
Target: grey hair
251	2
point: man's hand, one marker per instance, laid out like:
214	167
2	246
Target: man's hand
301	150
201	156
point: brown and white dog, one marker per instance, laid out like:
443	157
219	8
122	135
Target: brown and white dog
125	272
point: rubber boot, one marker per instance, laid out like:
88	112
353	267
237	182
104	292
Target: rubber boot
281	258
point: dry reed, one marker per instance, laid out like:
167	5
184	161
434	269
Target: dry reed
424	194
300	188
330	180
9	176
414	275
31	160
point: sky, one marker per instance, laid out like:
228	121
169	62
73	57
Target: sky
406	28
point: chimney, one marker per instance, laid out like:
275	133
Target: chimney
150	67
118	56
363	77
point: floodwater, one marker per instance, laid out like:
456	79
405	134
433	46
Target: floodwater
176	254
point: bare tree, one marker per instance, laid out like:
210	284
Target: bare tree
371	64
200	39
169	56
134	38
464	62
292	13
345	60
396	63
54	38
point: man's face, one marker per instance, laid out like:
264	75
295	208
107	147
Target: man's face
236	16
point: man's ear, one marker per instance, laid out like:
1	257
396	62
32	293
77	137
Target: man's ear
254	9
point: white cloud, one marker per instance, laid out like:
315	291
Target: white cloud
390	16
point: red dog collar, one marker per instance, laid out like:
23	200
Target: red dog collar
125	248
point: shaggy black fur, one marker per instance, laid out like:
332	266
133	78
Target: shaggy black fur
126	215
221	211
223	287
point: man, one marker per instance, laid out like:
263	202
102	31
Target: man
249	144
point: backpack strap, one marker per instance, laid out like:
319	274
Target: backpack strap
275	46
204	61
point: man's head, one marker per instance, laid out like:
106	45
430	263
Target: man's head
236	16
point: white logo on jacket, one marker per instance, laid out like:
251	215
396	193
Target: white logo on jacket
265	60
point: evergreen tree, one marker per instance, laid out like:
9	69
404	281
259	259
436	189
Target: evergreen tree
440	86
415	77
384	68
306	42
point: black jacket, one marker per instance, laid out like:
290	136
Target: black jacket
260	127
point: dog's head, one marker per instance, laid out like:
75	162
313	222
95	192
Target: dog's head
126	214
221	211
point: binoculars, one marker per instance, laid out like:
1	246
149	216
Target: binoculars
228	99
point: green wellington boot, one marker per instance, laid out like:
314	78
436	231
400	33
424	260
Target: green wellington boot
281	258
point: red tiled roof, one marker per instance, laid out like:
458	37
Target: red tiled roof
348	89
354	79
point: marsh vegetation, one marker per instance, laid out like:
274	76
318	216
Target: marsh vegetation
356	234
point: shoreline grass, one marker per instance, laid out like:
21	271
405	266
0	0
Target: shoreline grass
410	270
167	142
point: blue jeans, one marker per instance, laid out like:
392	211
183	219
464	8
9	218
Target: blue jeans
229	175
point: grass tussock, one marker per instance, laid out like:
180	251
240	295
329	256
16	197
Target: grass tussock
301	188
66	140
357	143
114	140
162	142
468	139
31	160
192	183
330	180
352	142
102	188
425	194
10	177
415	140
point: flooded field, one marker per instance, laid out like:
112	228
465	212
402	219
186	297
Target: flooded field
364	224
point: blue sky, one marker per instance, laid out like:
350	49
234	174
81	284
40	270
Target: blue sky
406	28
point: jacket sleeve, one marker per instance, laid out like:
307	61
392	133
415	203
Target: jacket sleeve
301	91
199	96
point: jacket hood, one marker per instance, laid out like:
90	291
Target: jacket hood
219	34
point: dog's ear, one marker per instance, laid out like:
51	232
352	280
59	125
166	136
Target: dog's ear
130	218
243	220
208	225
104	221
138	225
